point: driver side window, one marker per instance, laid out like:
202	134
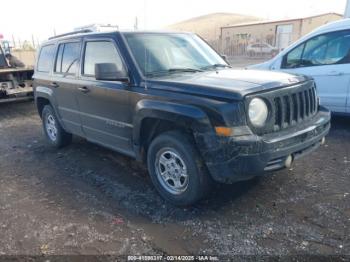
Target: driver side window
327	49
293	58
100	52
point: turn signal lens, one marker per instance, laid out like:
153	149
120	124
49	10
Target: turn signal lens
224	131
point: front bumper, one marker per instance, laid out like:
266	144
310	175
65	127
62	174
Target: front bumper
241	158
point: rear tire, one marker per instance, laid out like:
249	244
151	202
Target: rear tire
53	130
176	169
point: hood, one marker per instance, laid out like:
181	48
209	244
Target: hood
226	83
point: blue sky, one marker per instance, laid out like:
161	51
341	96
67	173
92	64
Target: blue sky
41	17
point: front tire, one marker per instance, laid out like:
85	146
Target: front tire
53	130
176	169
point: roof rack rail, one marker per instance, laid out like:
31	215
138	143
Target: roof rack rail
72	33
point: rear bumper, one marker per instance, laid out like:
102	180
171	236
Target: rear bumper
241	158
11	90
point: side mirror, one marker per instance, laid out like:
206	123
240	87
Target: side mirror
224	57
110	72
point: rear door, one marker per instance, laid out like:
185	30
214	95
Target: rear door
104	105
64	83
326	58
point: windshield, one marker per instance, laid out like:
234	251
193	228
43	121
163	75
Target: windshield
163	53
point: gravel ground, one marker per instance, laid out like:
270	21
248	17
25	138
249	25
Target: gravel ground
85	199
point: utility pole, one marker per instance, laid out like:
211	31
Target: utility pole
136	25
347	9
33	41
13	42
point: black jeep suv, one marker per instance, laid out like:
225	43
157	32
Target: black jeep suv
170	100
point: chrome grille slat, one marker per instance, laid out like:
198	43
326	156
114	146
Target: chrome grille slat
311	102
307	102
302	105
283	114
295	107
314	97
316	100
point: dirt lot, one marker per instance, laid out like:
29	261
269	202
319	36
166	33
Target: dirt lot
85	199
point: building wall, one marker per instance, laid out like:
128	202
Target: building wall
347	9
209	26
309	24
259	32
26	56
235	39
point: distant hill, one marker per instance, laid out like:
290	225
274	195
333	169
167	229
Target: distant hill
208	26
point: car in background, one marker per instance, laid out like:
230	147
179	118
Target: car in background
261	49
324	54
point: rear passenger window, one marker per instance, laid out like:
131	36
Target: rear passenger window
45	58
67	58
100	52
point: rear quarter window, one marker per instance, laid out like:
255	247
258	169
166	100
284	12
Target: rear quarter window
46	57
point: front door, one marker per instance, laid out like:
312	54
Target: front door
104	105
327	59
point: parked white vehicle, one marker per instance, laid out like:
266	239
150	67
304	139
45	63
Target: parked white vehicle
323	54
261	49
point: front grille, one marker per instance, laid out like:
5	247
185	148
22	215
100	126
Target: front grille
295	107
288	106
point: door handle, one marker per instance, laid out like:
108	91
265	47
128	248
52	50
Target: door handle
54	84
335	73
84	89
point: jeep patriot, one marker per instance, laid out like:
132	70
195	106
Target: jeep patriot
169	100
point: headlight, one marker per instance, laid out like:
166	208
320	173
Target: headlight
258	112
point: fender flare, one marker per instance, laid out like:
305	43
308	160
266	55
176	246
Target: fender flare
43	92
47	93
188	116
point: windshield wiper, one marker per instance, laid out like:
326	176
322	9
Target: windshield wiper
214	66
175	70
185	69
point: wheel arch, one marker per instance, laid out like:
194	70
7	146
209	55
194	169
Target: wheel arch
43	97
154	117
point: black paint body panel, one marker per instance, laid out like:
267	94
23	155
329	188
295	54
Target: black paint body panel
111	113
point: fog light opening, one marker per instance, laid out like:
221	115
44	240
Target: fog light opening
289	161
323	141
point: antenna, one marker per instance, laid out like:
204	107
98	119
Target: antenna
136	25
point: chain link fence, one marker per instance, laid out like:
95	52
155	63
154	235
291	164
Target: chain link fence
244	45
